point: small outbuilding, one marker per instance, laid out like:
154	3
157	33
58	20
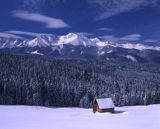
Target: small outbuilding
103	105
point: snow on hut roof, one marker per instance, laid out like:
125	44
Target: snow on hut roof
105	103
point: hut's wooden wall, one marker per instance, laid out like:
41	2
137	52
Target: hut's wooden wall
95	107
108	110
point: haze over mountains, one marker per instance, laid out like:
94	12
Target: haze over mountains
78	46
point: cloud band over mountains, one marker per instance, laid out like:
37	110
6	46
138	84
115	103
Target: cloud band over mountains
131	37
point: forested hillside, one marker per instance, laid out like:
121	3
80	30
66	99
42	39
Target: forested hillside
36	80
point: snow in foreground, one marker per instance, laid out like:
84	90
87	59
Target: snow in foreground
27	117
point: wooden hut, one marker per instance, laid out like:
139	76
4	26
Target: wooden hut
103	105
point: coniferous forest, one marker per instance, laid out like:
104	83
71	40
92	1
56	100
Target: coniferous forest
37	80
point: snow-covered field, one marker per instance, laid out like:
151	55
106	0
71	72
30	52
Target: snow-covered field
28	117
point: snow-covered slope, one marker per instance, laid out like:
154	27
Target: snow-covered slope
131	58
36	53
27	117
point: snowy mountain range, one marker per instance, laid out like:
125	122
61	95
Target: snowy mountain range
78	46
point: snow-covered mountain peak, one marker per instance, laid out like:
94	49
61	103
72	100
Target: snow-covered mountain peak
69	38
76	46
9	42
100	43
42	40
95	39
74	39
72	35
47	37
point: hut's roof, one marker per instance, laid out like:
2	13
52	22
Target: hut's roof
105	103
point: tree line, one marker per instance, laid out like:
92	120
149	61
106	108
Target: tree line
36	80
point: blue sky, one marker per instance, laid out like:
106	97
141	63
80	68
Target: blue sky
114	20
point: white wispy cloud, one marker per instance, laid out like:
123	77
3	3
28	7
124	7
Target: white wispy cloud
109	8
104	29
139	46
84	33
150	40
7	35
33	34
49	22
131	37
